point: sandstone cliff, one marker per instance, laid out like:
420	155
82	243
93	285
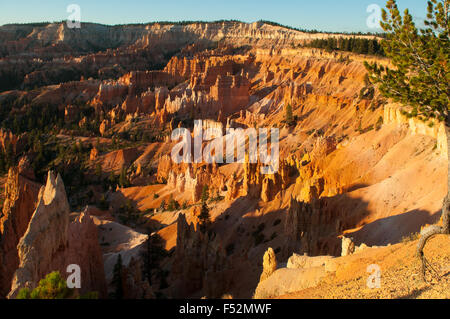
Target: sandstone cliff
52	243
20	198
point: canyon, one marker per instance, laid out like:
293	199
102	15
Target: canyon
353	169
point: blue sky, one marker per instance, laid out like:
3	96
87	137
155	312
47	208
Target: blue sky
325	15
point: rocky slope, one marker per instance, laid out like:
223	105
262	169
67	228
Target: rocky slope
347	277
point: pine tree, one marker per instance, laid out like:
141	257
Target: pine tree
162	206
347	45
420	78
204	213
205	194
204	217
123	179
289	118
173	204
117	279
371	47
364	49
98	170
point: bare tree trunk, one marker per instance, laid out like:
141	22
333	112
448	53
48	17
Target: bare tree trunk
434	230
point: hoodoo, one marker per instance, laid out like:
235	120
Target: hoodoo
224	160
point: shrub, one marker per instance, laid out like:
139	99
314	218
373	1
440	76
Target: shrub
53	286
379	123
173	204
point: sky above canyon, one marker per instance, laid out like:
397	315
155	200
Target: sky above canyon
324	15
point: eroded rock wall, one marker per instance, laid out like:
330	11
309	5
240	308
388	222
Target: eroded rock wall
51	242
20	198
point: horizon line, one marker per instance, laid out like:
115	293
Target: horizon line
187	22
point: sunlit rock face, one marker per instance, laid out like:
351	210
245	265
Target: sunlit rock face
51	242
20	199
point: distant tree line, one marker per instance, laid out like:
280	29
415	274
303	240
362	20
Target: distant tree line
183	22
32	24
313	31
355	45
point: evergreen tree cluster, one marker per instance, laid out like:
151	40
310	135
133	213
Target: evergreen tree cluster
36	117
353	44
